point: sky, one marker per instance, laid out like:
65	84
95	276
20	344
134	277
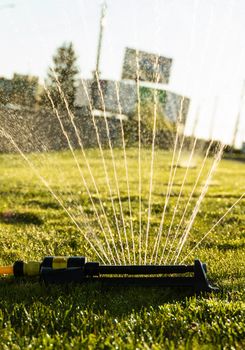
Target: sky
205	38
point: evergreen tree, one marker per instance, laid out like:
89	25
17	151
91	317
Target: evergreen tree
66	70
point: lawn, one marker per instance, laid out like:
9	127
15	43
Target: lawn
33	224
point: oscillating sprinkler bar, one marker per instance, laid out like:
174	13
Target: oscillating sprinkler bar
62	270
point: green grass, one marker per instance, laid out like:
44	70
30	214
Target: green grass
33	224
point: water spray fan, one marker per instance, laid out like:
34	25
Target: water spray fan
75	269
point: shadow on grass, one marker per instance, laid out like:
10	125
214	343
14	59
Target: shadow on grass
226	246
117	301
10	217
43	205
235	158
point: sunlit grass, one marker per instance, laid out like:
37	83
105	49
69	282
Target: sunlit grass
33	225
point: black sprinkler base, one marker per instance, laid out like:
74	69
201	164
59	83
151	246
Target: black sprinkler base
192	276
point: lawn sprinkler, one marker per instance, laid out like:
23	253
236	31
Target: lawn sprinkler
75	269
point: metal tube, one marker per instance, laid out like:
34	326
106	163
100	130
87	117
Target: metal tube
144	269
